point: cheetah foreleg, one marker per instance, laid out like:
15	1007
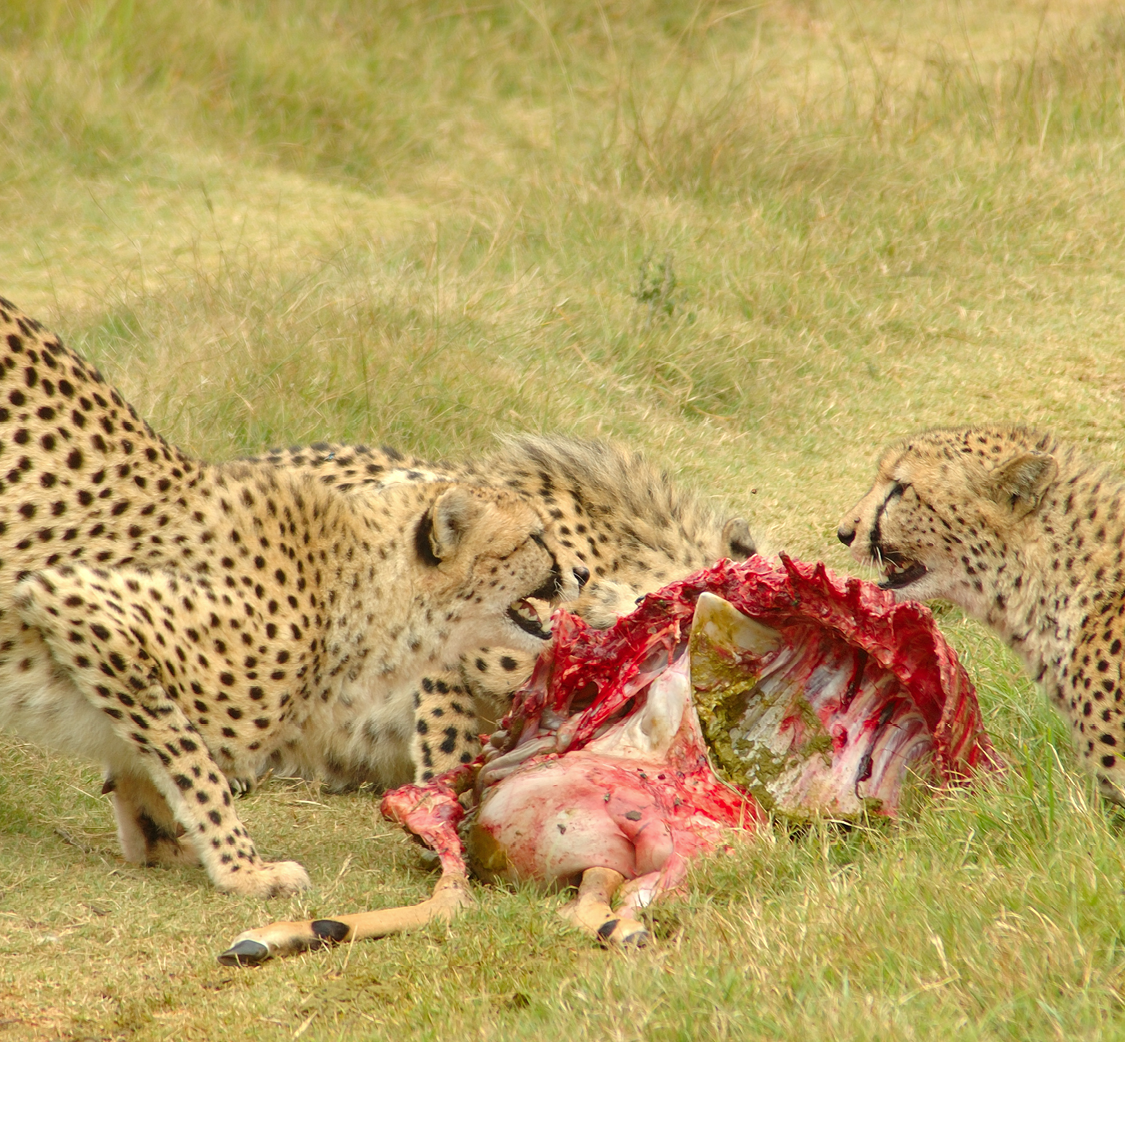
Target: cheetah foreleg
146	829
447	725
492	675
97	633
454	706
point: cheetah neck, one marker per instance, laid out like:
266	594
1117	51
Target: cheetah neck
1066	563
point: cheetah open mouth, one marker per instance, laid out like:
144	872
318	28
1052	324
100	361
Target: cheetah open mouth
522	613
898	571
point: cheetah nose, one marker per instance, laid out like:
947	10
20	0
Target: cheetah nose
846	535
581	575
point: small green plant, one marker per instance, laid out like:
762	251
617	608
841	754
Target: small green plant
655	286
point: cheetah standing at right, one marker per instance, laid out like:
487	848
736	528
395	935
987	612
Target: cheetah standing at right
1025	535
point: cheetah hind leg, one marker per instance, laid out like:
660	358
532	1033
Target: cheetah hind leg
282	939
94	625
146	828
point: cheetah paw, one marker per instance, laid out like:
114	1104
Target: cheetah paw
267	880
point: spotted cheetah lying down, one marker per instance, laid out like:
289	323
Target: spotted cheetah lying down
184	623
613	519
1024	534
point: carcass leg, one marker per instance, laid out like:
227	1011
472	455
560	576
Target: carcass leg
638	893
280	939
431	812
592	911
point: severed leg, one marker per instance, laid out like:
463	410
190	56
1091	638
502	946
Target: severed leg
592	911
431	812
638	893
281	939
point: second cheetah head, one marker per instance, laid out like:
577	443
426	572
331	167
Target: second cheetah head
946	509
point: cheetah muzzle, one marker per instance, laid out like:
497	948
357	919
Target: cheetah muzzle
898	572
522	614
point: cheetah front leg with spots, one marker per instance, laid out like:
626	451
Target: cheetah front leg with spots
447	724
148	832
98	632
492	676
453	707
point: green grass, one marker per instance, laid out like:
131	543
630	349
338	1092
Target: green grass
758	242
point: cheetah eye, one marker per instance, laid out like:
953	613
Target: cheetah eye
897	489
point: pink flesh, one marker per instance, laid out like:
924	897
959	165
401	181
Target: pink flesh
433	813
609	767
635	800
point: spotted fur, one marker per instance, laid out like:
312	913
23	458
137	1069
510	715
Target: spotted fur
616	522
1024	534
186	623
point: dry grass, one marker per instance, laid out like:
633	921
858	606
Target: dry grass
758	242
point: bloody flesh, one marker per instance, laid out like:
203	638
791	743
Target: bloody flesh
742	689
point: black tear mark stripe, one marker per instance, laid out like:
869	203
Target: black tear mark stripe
876	536
423	542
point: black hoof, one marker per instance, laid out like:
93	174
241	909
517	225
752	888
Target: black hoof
246	952
638	940
605	930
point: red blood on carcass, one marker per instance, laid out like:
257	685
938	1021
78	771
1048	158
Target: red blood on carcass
742	689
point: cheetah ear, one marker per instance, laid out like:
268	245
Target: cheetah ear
448	521
1019	484
737	540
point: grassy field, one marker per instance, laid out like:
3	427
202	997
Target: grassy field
757	241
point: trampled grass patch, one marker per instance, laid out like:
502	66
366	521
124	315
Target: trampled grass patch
757	242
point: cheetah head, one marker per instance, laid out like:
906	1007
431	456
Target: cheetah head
944	509
484	562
